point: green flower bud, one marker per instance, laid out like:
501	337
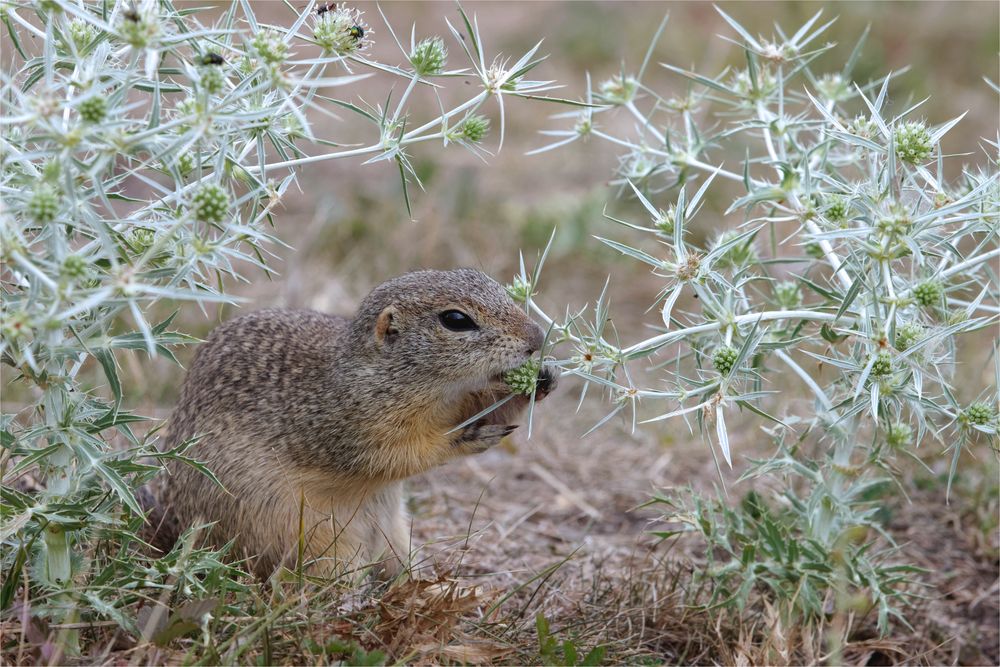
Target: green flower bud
913	142
882	365
141	238
814	249
474	128
788	295
863	127
519	289
928	293
292	127
896	222
833	87
186	108
210	203
246	66
739	255
75	267
837	208
908	334
665	221
139	30
269	46
185	163
428	57
93	109
81	33
978	414
899	435
522	380
639	166
724	359
956	316
211	79
619	91
43	206
767	83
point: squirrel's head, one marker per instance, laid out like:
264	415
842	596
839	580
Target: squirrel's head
457	326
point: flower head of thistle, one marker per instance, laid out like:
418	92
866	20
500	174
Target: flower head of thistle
928	293
139	29
269	46
863	127
899	435
211	79
895	222
473	129
909	334
913	142
523	379
74	267
739	255
788	295
767	83
141	239
684	104
836	208
210	203
341	31
882	364
724	359
689	269
44	203
16	325
618	90
81	33
519	289
428	56
833	87
93	109
779	53
665	220
978	414
638	166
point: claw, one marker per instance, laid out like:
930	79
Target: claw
548	379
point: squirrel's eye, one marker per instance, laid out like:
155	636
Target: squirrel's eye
456	320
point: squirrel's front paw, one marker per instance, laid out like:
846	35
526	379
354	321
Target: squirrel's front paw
548	380
477	438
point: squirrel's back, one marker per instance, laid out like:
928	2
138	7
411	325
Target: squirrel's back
264	366
256	372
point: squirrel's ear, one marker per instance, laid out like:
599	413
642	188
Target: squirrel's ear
385	325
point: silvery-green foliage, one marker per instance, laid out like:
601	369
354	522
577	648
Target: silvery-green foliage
144	153
853	267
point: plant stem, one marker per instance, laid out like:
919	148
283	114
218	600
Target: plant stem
767	316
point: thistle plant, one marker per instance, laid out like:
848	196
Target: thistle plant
144	155
851	267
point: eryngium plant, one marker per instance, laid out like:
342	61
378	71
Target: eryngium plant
144	153
853	271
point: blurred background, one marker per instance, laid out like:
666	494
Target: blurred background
347	223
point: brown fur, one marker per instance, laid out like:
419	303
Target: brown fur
314	420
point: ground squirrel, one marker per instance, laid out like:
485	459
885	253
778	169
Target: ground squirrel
309	416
